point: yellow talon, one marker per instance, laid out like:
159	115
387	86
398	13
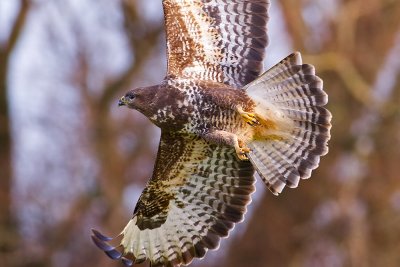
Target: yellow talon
242	150
249	118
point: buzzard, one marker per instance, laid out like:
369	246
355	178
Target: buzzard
221	121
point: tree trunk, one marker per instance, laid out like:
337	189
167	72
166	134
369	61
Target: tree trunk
9	236
8	231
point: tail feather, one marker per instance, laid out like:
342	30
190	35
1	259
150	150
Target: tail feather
292	97
292	60
266	170
292	72
305	93
317	115
287	169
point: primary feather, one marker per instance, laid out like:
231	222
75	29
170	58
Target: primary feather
180	217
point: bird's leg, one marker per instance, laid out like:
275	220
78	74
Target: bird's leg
241	150
249	118
230	139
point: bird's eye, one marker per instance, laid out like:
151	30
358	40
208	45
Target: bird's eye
130	97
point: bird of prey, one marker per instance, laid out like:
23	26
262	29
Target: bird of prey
221	121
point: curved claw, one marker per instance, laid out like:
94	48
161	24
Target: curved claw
250	118
242	150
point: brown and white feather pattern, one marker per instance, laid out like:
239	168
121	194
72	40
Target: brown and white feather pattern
219	40
196	195
203	108
199	188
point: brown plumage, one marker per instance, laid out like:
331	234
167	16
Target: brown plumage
220	122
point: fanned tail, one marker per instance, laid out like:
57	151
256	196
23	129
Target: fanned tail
295	127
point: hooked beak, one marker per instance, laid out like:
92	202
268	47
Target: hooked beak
122	101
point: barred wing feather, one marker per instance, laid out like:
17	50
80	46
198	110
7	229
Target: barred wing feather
196	195
218	40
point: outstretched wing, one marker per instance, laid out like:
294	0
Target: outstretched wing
219	40
197	193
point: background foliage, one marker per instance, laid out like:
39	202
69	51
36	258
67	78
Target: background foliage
71	160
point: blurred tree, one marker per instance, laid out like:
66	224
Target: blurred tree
115	143
105	134
9	235
105	131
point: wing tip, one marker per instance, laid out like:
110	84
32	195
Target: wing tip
295	58
101	241
100	235
111	251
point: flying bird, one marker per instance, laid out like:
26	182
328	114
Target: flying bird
221	121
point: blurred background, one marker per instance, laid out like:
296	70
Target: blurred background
71	160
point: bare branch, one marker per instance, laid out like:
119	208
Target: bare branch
18	26
297	29
8	228
349	74
144	44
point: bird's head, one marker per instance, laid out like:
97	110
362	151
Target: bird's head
141	99
128	100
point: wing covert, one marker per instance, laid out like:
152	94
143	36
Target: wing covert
196	195
219	40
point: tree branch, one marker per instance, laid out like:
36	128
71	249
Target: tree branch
144	44
8	229
338	63
18	26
